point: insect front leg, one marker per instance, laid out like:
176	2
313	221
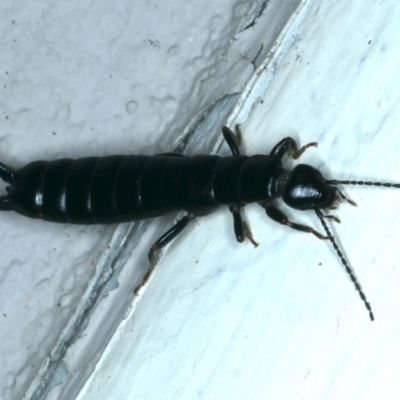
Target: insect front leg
278	216
290	145
168	236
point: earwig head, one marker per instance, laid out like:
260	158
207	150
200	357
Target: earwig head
306	189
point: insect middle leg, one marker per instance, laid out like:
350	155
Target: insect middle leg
241	228
278	216
168	236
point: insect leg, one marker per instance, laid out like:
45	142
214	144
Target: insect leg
241	228
289	144
279	216
7	173
232	140
159	244
168	237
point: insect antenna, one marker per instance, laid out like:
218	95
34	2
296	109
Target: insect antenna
366	183
344	262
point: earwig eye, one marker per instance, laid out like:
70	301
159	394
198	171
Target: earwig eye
307	189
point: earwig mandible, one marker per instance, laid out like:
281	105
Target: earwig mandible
113	189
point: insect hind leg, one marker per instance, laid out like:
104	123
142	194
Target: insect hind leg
166	238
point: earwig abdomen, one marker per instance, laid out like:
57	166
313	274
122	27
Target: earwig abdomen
102	190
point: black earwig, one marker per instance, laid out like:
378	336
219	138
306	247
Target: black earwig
103	190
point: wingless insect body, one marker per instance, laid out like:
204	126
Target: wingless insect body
102	190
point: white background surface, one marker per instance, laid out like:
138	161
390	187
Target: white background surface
219	319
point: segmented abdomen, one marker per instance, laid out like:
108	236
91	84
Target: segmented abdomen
109	189
100	190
